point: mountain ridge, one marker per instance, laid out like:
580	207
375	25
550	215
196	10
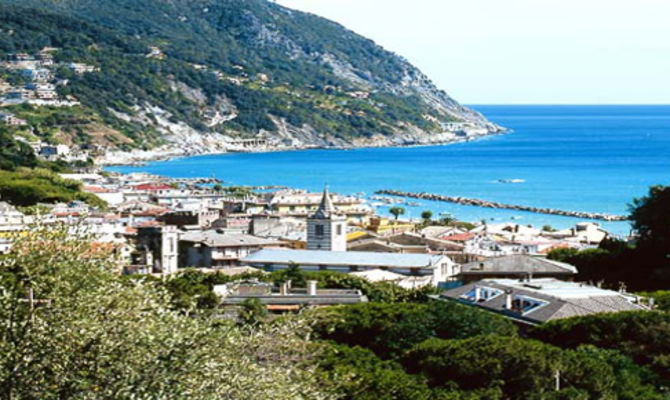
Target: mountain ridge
201	76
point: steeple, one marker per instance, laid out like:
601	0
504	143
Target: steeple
326	208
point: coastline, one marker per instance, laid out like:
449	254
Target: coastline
172	152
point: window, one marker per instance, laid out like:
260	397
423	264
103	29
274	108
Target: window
339	230
480	293
526	304
318	230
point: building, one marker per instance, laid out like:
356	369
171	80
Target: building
516	266
156	250
433	267
212	249
79	68
404	242
200	218
327	229
285	298
300	204
540	300
11	120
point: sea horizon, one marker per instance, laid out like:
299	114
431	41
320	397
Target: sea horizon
591	158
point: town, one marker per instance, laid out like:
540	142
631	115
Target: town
160	226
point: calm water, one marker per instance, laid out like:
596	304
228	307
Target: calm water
583	158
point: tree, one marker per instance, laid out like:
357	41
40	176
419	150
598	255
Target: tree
87	333
218	187
651	219
427	215
252	312
397	211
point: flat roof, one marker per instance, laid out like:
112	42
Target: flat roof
344	258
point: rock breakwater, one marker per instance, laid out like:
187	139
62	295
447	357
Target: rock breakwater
492	204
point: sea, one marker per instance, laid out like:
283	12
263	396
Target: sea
579	158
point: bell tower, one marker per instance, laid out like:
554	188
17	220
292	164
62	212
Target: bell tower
326	229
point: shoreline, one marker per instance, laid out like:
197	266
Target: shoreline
141	158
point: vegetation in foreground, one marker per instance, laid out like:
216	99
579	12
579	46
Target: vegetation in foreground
89	333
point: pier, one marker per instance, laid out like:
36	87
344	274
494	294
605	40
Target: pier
492	204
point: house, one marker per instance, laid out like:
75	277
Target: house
438	268
285	298
79	68
301	203
536	301
213	249
404	242
11	120
156	250
200	218
589	233
516	266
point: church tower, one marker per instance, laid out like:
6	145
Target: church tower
326	229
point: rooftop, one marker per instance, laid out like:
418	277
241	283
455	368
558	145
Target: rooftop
518	264
212	238
344	258
540	300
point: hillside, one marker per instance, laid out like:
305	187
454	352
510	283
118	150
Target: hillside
202	75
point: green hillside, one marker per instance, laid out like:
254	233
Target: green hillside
233	67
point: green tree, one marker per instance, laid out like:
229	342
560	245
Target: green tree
397	211
651	219
427	215
252	312
89	334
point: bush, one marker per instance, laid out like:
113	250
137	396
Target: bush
391	329
523	369
643	336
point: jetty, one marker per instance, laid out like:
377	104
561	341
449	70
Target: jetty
492	204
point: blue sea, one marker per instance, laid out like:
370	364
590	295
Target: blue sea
581	158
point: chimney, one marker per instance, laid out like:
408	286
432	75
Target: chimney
311	288
508	299
478	294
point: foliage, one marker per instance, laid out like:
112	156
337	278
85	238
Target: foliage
651	219
390	329
252	312
661	299
643	336
397	211
14	153
234	41
521	368
426	215
357	373
95	336
27	187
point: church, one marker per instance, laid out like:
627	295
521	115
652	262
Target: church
326	228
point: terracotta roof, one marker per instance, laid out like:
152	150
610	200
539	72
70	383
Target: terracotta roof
461	237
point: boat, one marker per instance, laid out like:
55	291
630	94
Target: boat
511	181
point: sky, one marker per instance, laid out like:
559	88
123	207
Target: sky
522	51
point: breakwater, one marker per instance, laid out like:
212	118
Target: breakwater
492	204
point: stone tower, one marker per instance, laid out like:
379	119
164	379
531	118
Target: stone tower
326	229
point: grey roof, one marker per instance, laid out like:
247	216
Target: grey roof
563	299
212	238
326	208
298	297
343	258
517	264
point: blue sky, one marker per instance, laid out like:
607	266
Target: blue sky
522	51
